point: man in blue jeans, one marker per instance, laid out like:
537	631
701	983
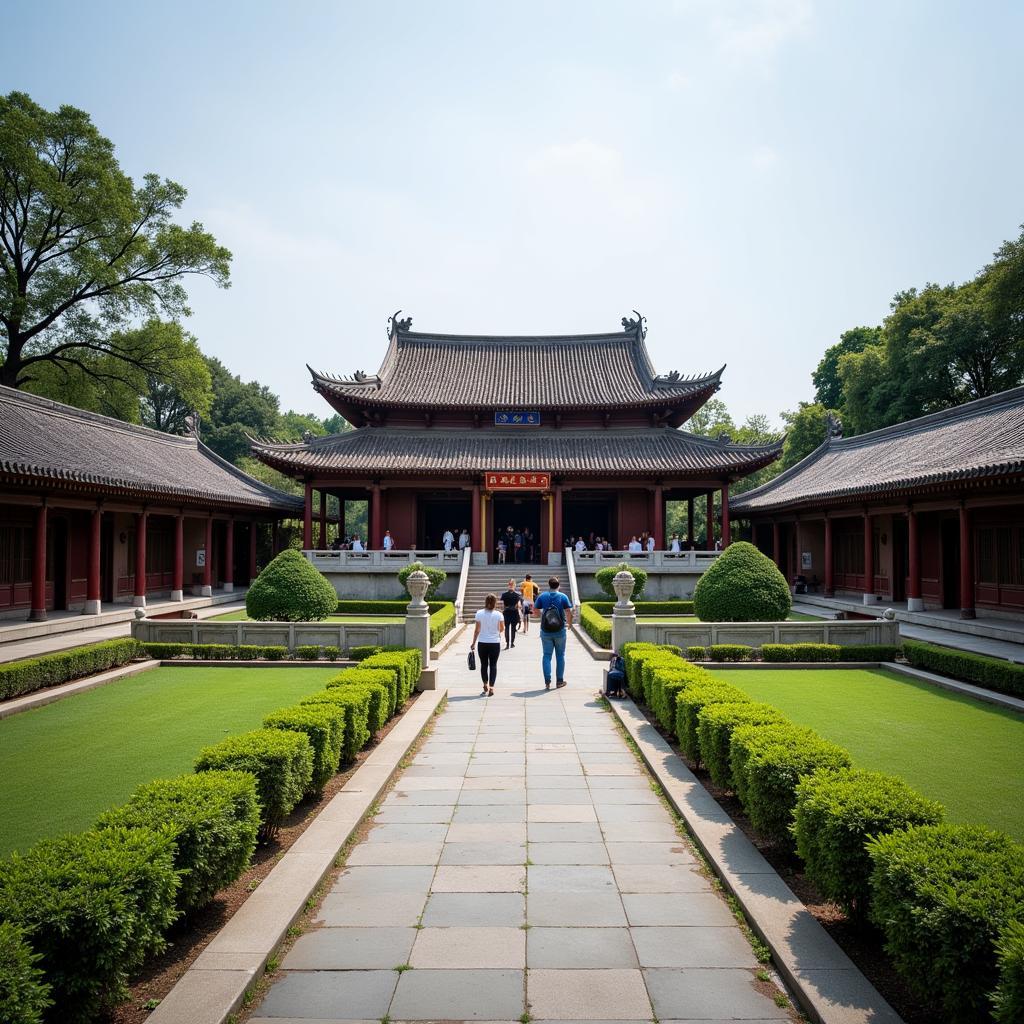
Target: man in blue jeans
555	612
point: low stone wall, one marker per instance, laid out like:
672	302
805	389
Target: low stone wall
754	634
268	634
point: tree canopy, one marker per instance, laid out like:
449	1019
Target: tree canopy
85	253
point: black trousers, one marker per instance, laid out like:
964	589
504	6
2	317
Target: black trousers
488	655
511	625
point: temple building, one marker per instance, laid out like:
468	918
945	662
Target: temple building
95	511
930	512
563	436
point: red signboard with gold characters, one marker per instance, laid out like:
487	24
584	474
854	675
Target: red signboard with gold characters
501	480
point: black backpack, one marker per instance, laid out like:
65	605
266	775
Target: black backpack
553	619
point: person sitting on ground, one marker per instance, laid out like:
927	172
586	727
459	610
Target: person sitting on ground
511	599
616	676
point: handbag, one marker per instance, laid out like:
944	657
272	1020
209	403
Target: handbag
471	660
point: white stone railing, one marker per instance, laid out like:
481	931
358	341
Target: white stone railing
663	561
754	634
339	561
460	594
574	590
264	634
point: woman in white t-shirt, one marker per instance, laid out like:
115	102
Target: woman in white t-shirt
487	639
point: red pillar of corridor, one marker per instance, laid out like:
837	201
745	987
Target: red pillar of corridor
914	602
966	566
307	519
829	578
559	537
139	600
659	520
92	592
229	557
474	524
252	551
689	523
726	533
38	610
208	564
178	582
376	533
322	542
709	533
869	560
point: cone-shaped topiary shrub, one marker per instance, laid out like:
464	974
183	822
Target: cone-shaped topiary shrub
290	589
742	586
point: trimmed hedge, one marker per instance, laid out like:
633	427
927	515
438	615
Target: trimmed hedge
93	906
324	727
377	711
631	654
697	653
596	626
1008	998
30	674
767	763
216	652
667	682
363	651
992	673
731	652
645	607
692	701
24	994
281	761
387	677
442	622
715	725
942	894
742	585
355	702
290	589
385	607
603	578
658	661
407	662
436	577
214	817
837	812
800	652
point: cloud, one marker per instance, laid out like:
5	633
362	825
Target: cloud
755	32
764	158
677	81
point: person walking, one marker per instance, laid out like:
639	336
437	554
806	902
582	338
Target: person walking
555	614
511	600
487	640
448	540
529	591
389	541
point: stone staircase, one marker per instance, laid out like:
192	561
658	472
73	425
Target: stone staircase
493	579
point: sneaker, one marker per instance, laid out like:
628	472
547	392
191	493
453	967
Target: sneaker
547	686
559	684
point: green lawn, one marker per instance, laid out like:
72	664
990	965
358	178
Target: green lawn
354	620
675	620
967	754
64	763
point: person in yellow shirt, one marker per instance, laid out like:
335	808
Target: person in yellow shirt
529	591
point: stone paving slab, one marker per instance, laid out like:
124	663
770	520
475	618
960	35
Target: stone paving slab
535	870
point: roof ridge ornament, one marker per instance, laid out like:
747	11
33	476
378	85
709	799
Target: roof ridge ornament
395	325
833	426
631	326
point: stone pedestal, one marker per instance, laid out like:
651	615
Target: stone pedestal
624	611
206	591
91	608
428	679
417	615
139	601
915	604
228	588
177	595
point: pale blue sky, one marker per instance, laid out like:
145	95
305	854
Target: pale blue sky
755	177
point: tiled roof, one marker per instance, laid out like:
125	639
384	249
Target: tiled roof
979	440
44	440
478	371
638	452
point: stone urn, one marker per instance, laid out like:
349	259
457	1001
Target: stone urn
417	584
623	584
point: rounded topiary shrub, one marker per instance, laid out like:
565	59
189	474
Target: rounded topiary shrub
742	585
290	589
605	576
436	577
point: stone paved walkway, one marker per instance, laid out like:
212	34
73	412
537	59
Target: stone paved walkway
521	864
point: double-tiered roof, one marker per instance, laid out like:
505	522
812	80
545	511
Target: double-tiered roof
600	407
981	442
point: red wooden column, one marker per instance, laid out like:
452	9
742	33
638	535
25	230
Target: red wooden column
92	590
966	566
374	525
207	590
777	546
252	550
726	534
689	523
275	539
38	610
139	600
178	583
229	557
307	519
914	602
659	519
559	536
474	524
829	573
709	533
869	560
322	542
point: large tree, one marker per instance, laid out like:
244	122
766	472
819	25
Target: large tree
239	408
85	254
806	428
828	386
